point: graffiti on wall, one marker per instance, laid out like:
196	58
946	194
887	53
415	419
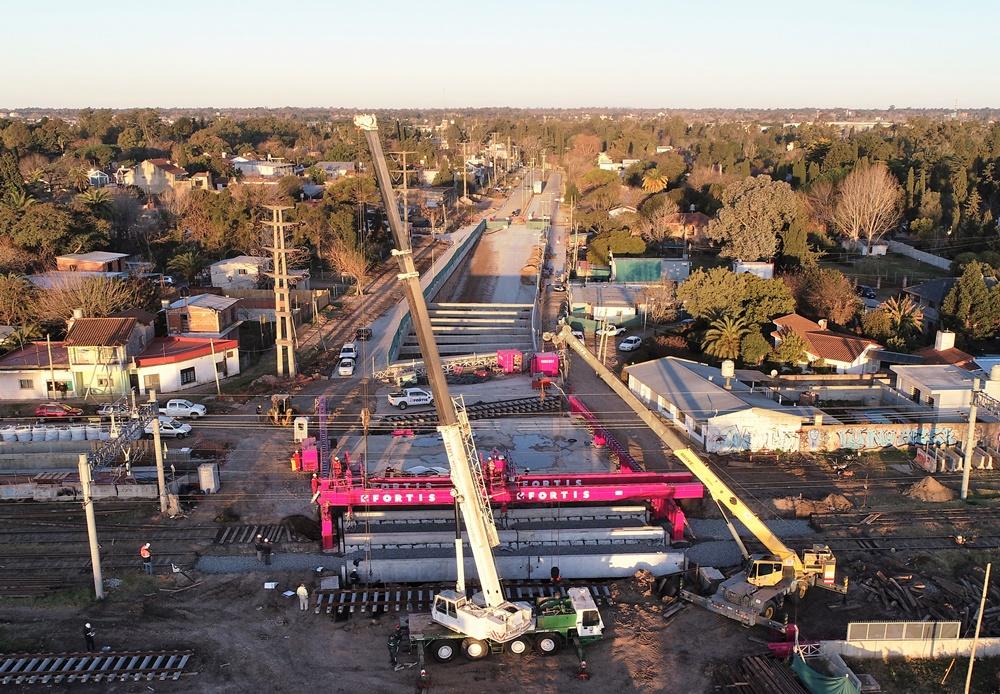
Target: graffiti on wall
734	439
883	438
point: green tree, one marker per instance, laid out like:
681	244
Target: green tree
970	307
799	173
910	187
187	264
790	350
824	293
719	291
755	211
905	317
876	325
754	348
725	336
617	243
11	179
97	200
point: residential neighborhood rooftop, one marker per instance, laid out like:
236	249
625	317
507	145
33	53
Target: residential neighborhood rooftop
36	354
168	350
100	332
937	377
212	301
94	256
825	344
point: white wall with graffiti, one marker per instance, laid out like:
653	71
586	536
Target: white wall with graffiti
859	437
754	429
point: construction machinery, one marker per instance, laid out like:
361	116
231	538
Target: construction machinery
486	621
756	593
281	412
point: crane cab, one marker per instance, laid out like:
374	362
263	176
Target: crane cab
764	571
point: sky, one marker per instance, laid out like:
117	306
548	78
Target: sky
540	53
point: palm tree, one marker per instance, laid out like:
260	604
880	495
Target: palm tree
187	264
724	336
905	316
653	181
97	199
19	201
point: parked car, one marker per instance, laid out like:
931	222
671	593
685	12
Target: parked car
349	351
182	409
110	409
169	428
611	329
866	292
516	212
578	334
57	410
363	334
410	396
630	343
345	367
558	287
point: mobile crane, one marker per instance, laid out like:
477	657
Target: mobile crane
756	593
486	621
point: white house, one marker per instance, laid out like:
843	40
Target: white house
941	386
721	415
336	169
266	168
848	354
761	269
37	371
607	301
241	272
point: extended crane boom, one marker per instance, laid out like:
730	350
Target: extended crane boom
499	620
757	593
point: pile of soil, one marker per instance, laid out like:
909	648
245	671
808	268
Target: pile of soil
929	489
803	508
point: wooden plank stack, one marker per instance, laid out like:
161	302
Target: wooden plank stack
907	596
758	674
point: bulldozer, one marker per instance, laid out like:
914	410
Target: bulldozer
281	412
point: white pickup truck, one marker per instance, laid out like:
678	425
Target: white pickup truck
169	428
410	396
183	409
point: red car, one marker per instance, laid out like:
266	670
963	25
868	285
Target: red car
57	410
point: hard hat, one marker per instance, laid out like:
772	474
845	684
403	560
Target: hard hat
87	625
423	672
146	545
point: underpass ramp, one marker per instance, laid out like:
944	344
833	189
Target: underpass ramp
462	328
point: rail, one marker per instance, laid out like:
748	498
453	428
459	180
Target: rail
113	666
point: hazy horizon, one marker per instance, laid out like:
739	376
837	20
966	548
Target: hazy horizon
644	55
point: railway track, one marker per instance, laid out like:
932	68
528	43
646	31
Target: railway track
874	519
486	410
343	602
113	666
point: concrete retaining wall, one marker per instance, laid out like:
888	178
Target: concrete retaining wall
911	648
922	256
431	289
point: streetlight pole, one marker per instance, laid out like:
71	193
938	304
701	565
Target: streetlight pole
970	441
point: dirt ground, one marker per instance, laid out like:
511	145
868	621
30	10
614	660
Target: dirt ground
249	639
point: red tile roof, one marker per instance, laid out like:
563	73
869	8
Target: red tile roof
824	344
100	332
168	166
953	355
171	350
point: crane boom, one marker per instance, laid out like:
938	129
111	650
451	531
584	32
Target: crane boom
720	492
454	429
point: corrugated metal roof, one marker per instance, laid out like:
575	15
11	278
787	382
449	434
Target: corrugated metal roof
100	332
212	301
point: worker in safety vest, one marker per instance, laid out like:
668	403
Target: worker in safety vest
583	673
423	683
296	460
147	559
314	482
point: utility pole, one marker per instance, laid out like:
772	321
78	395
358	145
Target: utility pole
406	195
161	482
979	624
88	509
284	331
52	369
215	364
465	169
970	440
